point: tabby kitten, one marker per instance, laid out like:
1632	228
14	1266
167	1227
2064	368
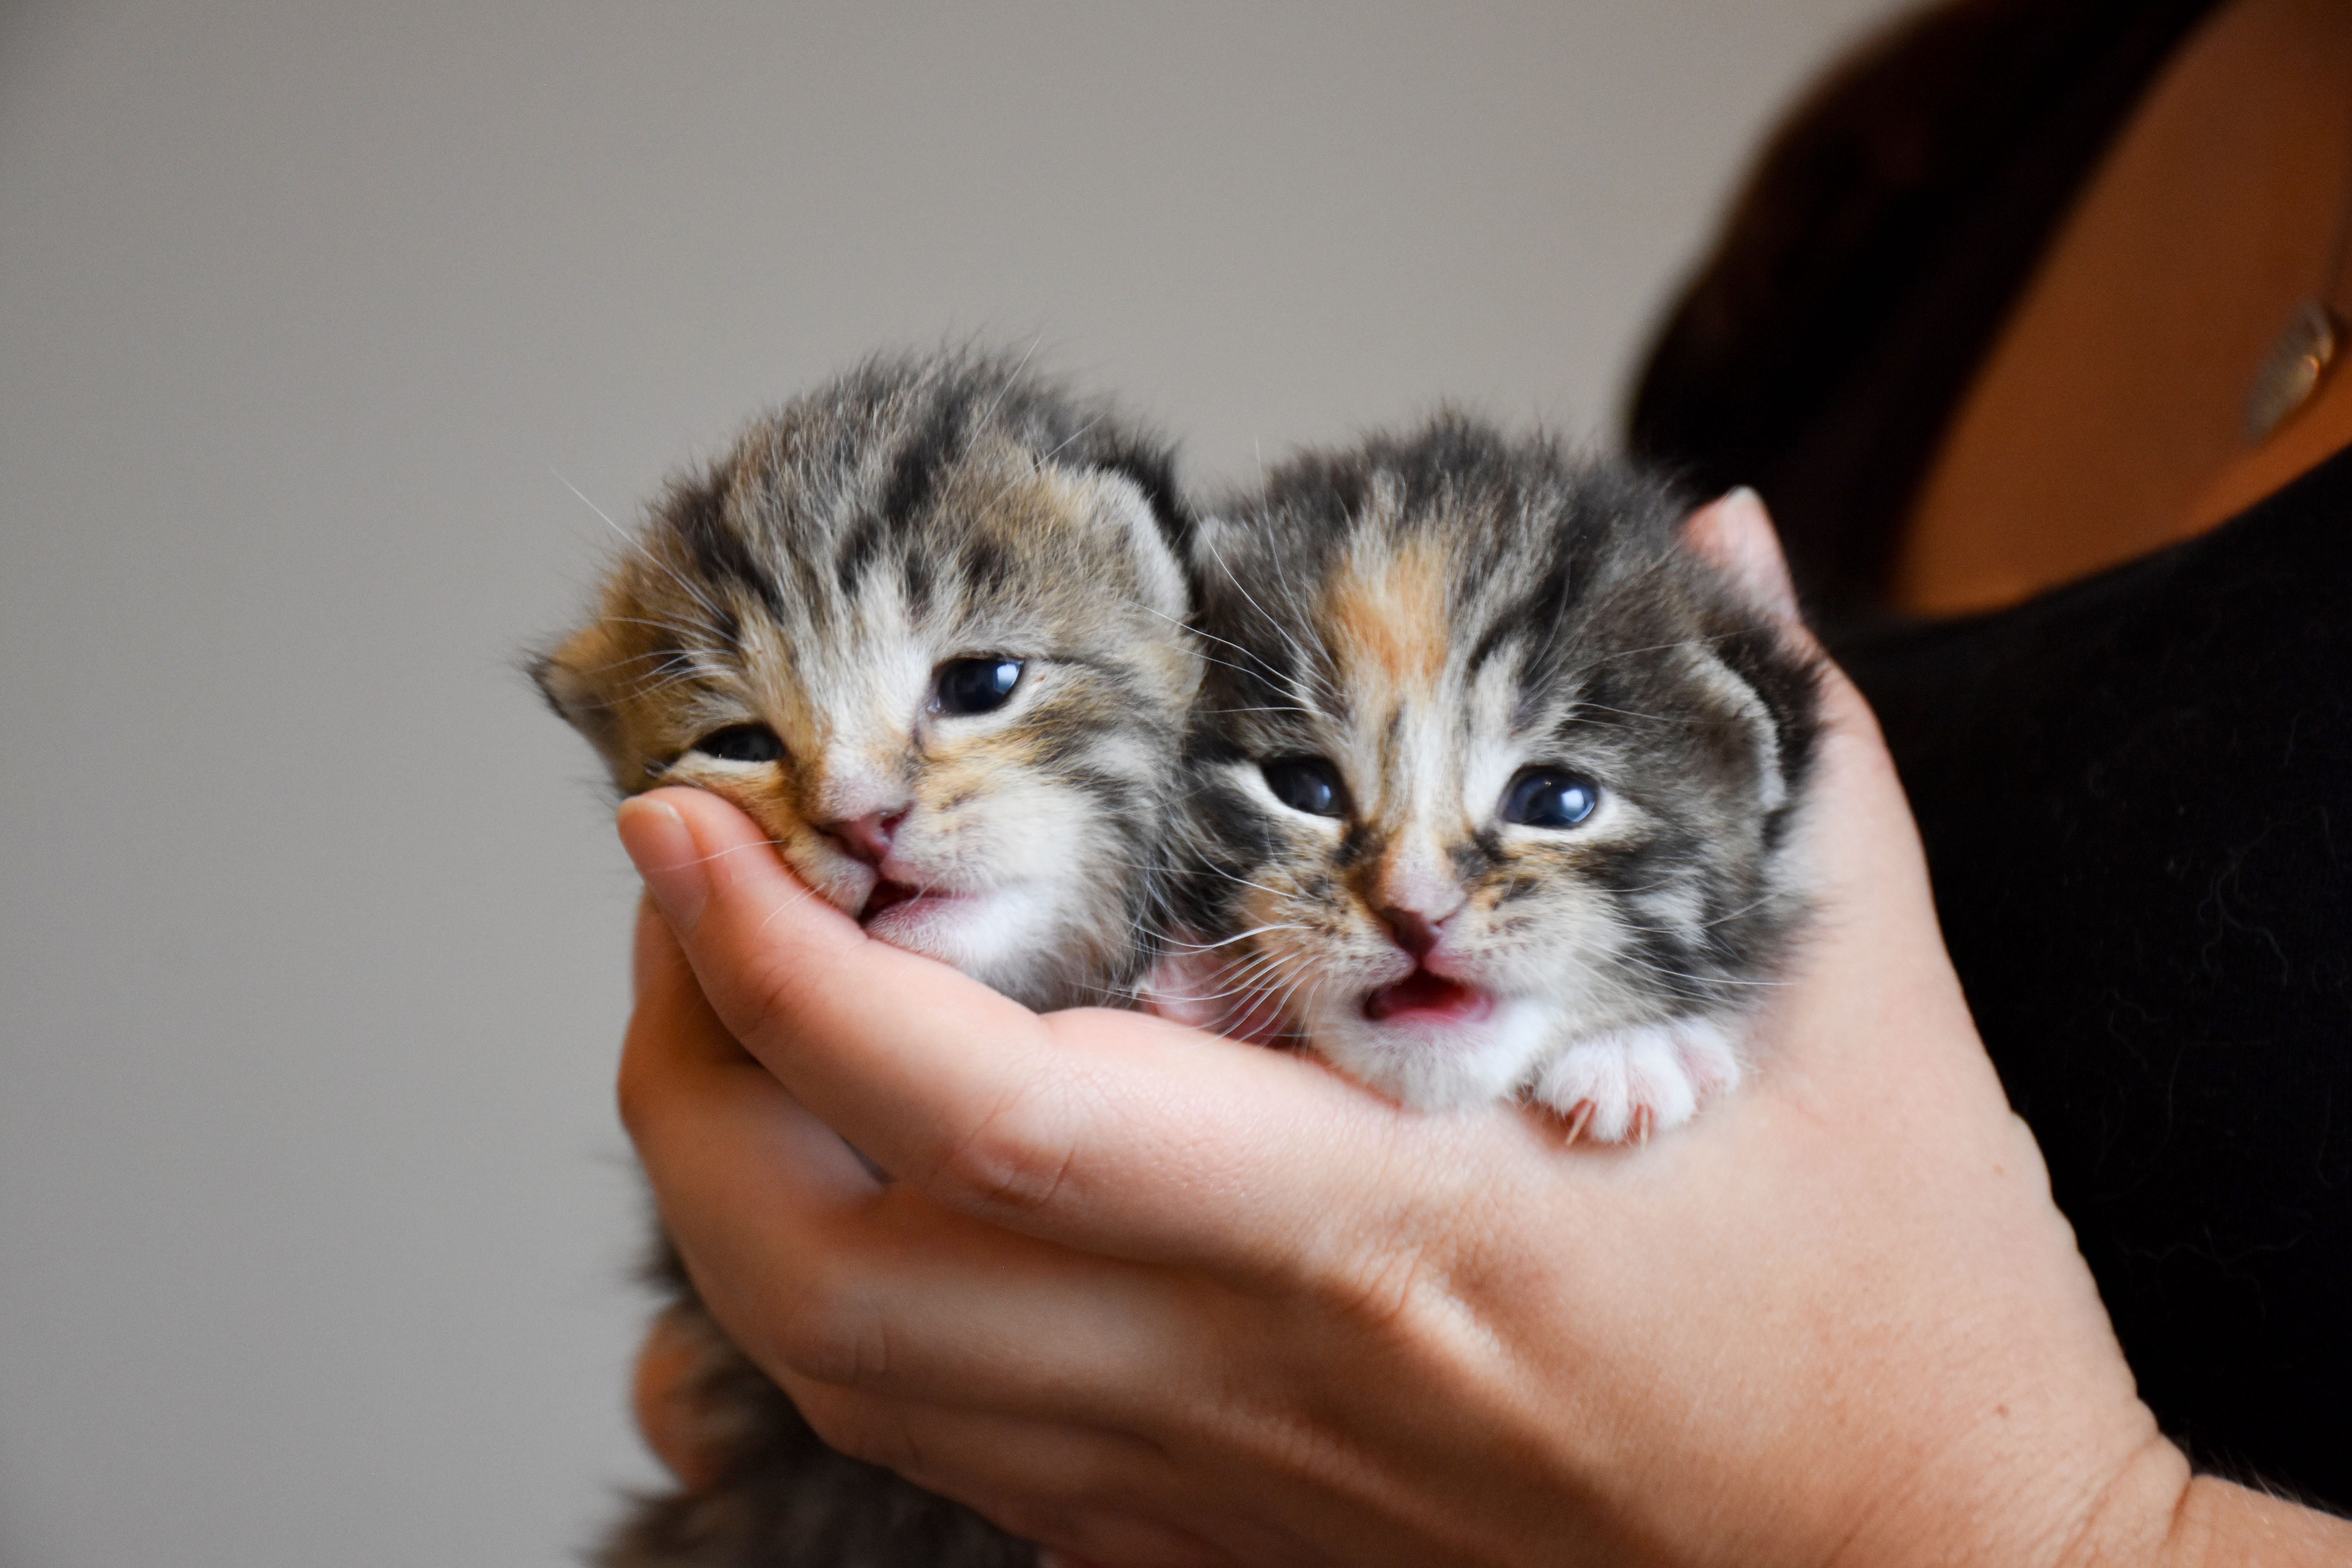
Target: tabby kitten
925	624
1494	780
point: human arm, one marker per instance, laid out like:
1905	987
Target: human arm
1159	1297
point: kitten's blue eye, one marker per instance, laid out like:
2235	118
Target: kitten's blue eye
1306	783
741	743
1550	798
976	685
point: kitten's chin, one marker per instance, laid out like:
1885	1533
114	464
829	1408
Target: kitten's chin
990	935
1432	1048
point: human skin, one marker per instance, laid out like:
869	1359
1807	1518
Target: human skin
2104	420
1157	1297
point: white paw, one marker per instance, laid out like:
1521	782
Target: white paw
1634	1082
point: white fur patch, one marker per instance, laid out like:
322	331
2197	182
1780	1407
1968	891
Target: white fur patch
1434	1067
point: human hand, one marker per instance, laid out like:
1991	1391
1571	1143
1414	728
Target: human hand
1158	1298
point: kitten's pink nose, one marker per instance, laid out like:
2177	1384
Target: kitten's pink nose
1412	930
866	837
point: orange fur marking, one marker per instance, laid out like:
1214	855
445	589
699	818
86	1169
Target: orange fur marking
1394	621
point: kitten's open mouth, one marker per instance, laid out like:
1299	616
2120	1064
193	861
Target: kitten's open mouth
1428	996
885	895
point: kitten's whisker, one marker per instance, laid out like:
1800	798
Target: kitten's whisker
1654	647
774	844
680	669
787	906
1277	707
1037	460
1241	972
1305	663
1750	907
668	658
1258	978
1652	718
1245	979
1244	882
1011	378
1283	1002
1238	936
1263	668
1653	967
637	544
658	624
671	625
1260	674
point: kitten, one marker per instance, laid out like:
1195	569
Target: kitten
925	624
1494	780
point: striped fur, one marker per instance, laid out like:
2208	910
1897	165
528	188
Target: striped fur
810	589
1434	616
816	579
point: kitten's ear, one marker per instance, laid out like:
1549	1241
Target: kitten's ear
1733	534
1119	500
569	678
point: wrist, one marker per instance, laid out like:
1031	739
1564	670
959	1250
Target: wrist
2217	1523
2076	1502
2157	1513
2139	1516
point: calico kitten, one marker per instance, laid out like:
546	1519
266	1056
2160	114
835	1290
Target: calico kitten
1494	780
925	624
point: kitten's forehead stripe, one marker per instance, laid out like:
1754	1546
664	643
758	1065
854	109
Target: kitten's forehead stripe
721	554
1389	610
857	550
937	440
986	564
917	580
1503	630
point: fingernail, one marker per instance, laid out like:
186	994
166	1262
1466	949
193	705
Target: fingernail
1760	546
669	859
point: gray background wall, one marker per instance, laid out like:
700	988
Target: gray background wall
314	1218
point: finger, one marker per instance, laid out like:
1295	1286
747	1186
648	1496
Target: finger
1861	836
822	1273
678	1063
1857	840
666	1398
1862	819
663	986
1033	1478
905	1299
1114	1132
1099	1495
1734	533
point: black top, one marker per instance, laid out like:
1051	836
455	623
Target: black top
2135	793
2136	799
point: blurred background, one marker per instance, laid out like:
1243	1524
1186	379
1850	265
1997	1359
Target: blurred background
315	1222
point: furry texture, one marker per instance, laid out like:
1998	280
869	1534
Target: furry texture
1493	780
925	624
